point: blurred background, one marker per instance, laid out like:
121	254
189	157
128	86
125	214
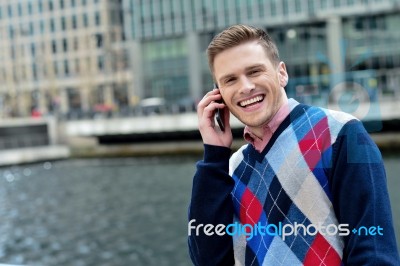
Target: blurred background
98	130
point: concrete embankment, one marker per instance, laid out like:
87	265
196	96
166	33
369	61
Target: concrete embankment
33	154
387	142
88	147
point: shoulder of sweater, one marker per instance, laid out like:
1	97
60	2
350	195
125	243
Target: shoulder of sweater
338	117
337	120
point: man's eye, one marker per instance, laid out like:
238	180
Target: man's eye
229	81
254	72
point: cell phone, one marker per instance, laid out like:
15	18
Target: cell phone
219	114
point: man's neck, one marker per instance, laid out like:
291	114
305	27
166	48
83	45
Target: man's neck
260	130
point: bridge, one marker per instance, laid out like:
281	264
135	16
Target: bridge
185	124
141	128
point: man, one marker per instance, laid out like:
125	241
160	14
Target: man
308	189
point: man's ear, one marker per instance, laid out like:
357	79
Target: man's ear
283	75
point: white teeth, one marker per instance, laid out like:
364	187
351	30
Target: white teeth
250	101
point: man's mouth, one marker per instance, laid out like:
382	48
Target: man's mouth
251	101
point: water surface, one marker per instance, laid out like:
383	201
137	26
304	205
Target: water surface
130	211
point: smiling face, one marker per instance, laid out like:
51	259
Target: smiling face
250	84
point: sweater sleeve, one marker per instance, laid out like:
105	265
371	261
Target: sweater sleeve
360	198
211	203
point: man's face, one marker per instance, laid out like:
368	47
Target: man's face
250	84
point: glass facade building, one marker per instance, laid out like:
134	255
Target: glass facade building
323	43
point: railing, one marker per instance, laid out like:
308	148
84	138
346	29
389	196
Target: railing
128	111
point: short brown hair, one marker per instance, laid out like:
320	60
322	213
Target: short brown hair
238	34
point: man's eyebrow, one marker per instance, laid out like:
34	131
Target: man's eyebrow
255	66
227	76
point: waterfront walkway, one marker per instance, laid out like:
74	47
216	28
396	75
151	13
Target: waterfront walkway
157	134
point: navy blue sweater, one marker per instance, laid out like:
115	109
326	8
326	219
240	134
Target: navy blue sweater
357	184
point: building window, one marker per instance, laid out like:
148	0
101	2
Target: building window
10	31
12	52
65	45
76	44
52	25
41	25
324	4
165	69
286	7
51	7
66	67
77	66
297	6
97	18
30	10
54	46
99	40
34	71
33	49
100	62
85	20
273	8
42	47
311	7
40	6
55	68
9	10
63	24
19	9
74	22
31	29
73	98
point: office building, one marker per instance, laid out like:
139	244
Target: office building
323	42
64	56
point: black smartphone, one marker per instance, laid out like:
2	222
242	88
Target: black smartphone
219	114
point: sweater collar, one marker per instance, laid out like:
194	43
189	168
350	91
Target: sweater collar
269	128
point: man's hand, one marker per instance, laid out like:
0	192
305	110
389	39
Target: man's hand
210	132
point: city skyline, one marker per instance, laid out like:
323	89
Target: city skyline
66	56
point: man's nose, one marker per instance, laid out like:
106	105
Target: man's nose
246	85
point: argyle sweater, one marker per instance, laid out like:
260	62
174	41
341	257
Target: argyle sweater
320	168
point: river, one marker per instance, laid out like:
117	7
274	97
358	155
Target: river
118	211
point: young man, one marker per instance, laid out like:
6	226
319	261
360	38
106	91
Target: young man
308	189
